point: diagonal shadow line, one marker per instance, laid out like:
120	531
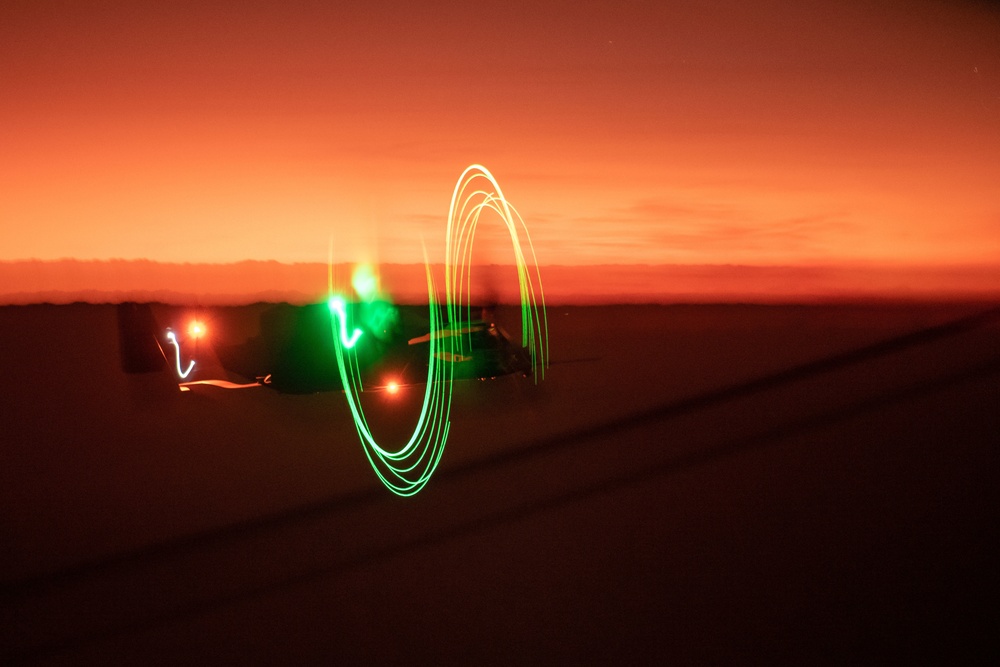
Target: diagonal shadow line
716	397
508	516
347	502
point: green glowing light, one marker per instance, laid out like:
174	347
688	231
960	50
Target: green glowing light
380	317
406	469
364	282
336	305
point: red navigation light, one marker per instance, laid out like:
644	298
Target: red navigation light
197	329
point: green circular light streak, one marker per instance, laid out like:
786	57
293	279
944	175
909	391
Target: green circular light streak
406	470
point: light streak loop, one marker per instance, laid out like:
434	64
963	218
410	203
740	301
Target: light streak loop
406	470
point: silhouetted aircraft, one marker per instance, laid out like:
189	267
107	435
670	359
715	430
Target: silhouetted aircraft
294	351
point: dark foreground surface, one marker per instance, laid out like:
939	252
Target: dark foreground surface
690	484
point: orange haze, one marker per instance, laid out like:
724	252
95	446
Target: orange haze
246	282
792	134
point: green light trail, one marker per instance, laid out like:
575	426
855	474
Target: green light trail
336	305
406	470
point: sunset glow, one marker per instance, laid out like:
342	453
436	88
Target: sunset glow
791	134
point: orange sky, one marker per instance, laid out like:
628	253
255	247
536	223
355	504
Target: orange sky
750	133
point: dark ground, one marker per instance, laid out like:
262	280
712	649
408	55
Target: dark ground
690	484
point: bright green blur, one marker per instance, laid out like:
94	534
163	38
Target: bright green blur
336	304
364	282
